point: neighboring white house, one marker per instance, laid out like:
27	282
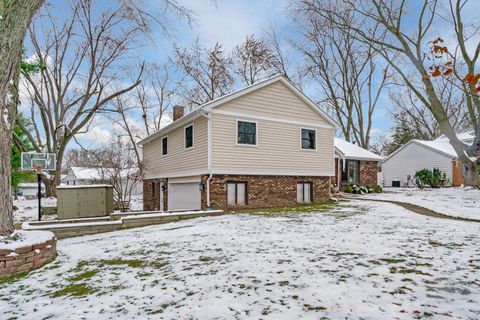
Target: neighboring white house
79	176
416	155
29	189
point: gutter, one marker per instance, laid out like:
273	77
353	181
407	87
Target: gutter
208	115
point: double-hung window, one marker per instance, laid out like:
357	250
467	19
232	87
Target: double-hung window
309	138
304	192
246	132
189	136
236	193
164	146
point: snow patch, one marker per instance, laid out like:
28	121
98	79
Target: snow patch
25	239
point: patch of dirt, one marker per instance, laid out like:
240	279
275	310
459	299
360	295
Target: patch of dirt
424	211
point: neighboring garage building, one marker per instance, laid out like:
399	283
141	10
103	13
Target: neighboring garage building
416	155
266	145
355	165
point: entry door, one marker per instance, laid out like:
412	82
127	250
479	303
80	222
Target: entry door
184	196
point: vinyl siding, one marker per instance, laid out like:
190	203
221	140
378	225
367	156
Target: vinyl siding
178	159
412	158
278	150
274	100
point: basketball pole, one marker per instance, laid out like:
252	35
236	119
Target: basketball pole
39	194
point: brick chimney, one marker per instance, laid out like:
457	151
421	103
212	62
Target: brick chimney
178	112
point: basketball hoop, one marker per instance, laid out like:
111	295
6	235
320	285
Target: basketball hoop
38	169
40	163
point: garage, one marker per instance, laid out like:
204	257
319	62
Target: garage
184	196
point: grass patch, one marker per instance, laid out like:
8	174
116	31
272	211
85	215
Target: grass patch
14	277
75	290
118	262
313	308
317	207
84	275
392	260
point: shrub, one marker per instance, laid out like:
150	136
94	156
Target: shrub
348	188
422	178
434	178
437	178
378	189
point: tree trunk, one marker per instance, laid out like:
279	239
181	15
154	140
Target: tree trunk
471	177
50	186
6	218
15	19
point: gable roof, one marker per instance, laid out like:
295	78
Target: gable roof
349	150
85	173
441	146
207	107
465	135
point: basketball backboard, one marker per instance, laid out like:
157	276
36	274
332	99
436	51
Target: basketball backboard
35	161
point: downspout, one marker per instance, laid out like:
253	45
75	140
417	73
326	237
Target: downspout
208	115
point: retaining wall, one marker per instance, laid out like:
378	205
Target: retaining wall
26	258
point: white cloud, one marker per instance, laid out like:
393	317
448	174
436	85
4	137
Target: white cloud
95	135
229	22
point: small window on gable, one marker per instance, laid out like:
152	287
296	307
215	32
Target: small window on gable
309	139
246	133
164	146
189	136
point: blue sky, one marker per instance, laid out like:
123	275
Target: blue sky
227	22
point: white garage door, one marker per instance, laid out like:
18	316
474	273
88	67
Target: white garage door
184	196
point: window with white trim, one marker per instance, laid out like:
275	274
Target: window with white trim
304	192
164	146
309	139
246	132
236	193
189	136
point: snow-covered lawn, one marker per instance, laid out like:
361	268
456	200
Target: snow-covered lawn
457	202
28	209
364	260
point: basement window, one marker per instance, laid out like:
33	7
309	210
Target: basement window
304	192
237	193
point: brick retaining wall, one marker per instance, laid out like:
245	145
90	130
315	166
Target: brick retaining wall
26	258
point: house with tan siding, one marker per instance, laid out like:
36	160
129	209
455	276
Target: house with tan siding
267	145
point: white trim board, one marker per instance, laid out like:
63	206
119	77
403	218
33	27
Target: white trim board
253	116
244	171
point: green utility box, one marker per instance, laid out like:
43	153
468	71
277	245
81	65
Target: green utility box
84	201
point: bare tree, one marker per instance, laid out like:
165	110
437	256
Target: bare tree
15	17
408	111
83	53
403	47
206	74
253	60
144	110
120	169
345	71
82	158
284	63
